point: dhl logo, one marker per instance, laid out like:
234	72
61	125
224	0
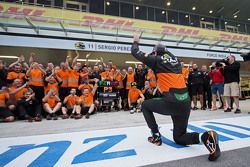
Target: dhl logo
38	15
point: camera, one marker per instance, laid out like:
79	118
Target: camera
218	63
246	56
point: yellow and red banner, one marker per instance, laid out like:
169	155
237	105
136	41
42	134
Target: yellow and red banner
43	15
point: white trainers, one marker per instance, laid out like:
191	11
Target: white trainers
133	111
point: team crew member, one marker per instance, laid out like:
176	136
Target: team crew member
107	74
195	79
29	107
36	80
130	77
185	71
124	102
140	76
52	82
51	105
120	88
5	112
70	104
207	95
63	73
17	73
135	98
147	91
87	102
17	70
3	74
174	102
85	85
16	92
151	78
74	75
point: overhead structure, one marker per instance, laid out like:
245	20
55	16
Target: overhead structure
21	24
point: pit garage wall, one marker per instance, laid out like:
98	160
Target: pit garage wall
55	43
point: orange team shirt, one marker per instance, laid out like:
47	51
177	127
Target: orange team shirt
87	100
185	72
152	79
52	101
119	79
134	95
4	96
64	75
14	75
73	78
88	86
17	96
84	76
36	77
105	76
53	86
130	79
71	100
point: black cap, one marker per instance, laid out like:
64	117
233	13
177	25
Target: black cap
159	48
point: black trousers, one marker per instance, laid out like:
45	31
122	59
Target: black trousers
207	97
32	111
39	92
179	110
63	92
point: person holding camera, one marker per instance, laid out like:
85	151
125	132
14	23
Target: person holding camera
231	72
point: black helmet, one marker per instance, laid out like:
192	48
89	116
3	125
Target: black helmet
159	48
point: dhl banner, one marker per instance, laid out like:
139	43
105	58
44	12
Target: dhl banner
10	12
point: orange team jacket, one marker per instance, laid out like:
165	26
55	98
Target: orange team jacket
73	79
152	79
14	75
71	101
88	86
130	79
36	77
4	96
52	101
105	76
119	79
64	75
87	100
53	86
18	95
134	95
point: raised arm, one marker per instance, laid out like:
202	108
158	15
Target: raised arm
95	86
87	59
147	59
45	99
75	59
18	89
